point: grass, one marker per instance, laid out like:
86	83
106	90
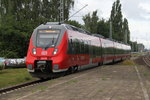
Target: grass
128	62
145	74
103	78
39	88
9	77
100	90
88	78
42	88
72	81
137	54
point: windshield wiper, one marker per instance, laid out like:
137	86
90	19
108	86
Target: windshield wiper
53	40
48	45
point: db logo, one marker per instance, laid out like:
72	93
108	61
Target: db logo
44	53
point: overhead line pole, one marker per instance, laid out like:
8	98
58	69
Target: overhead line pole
61	9
126	36
110	30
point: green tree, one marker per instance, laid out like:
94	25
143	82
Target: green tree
18	18
87	21
74	23
116	19
126	30
68	5
103	28
91	22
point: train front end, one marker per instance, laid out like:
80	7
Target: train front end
47	50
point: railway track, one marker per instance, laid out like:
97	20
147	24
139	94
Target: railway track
20	86
146	60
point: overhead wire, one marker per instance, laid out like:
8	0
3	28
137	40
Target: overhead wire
87	9
80	14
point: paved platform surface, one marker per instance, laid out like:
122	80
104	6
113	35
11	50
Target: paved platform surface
109	82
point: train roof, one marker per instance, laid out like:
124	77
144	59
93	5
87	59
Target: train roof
71	27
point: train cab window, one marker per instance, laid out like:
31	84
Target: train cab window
47	38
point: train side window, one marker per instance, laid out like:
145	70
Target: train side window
77	46
82	51
87	47
90	48
70	47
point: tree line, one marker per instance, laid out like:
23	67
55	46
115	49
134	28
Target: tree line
120	29
18	19
119	26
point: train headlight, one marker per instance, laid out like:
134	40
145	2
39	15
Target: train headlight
34	51
55	51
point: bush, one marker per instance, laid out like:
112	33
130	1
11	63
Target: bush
13	42
8	54
2	67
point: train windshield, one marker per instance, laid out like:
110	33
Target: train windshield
47	38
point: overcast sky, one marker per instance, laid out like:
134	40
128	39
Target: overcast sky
136	11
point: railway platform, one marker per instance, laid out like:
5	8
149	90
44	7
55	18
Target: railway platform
108	82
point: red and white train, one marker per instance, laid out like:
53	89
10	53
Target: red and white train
56	47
